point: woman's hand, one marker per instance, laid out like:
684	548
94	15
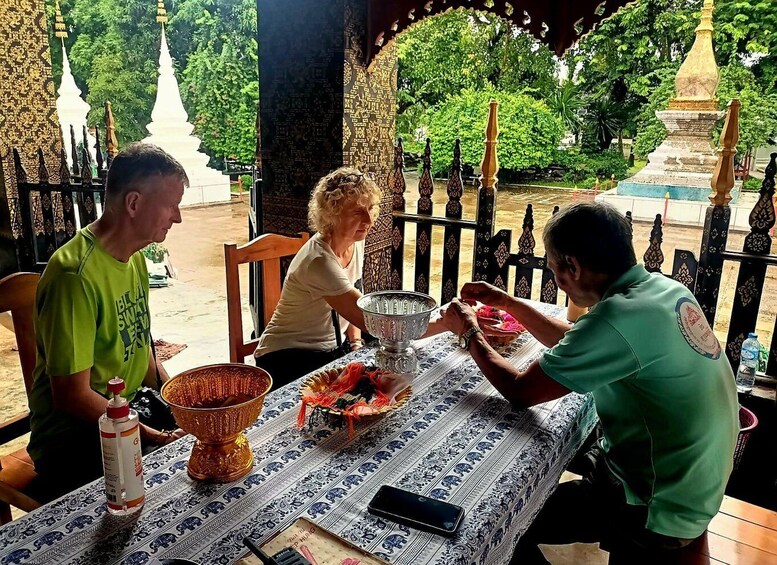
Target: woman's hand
484	293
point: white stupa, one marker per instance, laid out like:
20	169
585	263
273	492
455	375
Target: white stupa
71	108
171	131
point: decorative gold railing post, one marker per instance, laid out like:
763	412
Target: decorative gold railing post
723	174
111	144
486	211
718	216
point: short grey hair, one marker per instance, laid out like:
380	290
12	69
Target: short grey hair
137	162
594	233
343	185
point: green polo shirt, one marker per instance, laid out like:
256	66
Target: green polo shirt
91	312
664	393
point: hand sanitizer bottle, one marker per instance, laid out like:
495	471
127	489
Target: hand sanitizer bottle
122	456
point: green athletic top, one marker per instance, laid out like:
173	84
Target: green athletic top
665	396
91	311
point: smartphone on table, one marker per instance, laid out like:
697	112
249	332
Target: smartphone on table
416	511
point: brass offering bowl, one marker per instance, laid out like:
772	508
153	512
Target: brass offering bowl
215	403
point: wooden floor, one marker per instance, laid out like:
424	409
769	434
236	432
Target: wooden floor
741	533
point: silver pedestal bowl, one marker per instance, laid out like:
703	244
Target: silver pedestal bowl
396	317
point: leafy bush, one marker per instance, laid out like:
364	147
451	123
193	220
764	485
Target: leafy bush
155	252
752	184
587	167
528	132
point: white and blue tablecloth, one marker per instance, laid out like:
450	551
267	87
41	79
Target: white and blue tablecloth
455	440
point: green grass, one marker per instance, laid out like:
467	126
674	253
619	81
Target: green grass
638	166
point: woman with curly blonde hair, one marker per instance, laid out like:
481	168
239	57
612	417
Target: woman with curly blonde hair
317	319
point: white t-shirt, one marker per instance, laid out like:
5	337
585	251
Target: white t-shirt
303	319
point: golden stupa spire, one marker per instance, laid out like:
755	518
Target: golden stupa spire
697	80
161	13
59	24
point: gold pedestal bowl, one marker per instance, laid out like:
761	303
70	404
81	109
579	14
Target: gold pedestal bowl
215	403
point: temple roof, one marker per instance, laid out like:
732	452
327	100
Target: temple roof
557	23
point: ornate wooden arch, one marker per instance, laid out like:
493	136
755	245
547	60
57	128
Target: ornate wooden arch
557	23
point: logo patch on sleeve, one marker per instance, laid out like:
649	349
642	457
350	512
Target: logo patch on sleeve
695	329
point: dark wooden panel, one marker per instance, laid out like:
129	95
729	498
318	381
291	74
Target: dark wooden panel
524	271
752	274
497	264
684	268
47	242
451	253
423	239
398	224
486	213
713	243
654	257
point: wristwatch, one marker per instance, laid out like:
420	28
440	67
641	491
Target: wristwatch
467	336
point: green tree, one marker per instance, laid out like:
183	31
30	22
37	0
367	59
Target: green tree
114	49
566	103
528	132
114	53
220	85
442	55
758	113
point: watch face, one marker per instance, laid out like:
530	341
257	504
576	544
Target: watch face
462	342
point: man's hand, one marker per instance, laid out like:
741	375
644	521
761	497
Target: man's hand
167	437
155	437
458	317
485	293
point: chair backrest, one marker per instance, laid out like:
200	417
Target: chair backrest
268	249
17	296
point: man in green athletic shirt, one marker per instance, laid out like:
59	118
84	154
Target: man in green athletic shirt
664	393
92	319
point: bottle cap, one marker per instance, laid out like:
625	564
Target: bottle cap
116	385
118	407
752	335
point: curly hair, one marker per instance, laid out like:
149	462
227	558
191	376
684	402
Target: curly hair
333	191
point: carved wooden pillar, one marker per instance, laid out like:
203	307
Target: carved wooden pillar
28	116
321	107
718	216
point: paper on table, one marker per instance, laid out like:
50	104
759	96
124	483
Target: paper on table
317	545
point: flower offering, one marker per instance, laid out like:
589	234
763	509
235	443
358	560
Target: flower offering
353	391
505	321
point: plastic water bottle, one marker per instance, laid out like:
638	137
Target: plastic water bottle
748	360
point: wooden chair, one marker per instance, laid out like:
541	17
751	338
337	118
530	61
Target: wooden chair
267	249
17	472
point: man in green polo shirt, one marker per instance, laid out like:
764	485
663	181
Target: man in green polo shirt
664	393
92	318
